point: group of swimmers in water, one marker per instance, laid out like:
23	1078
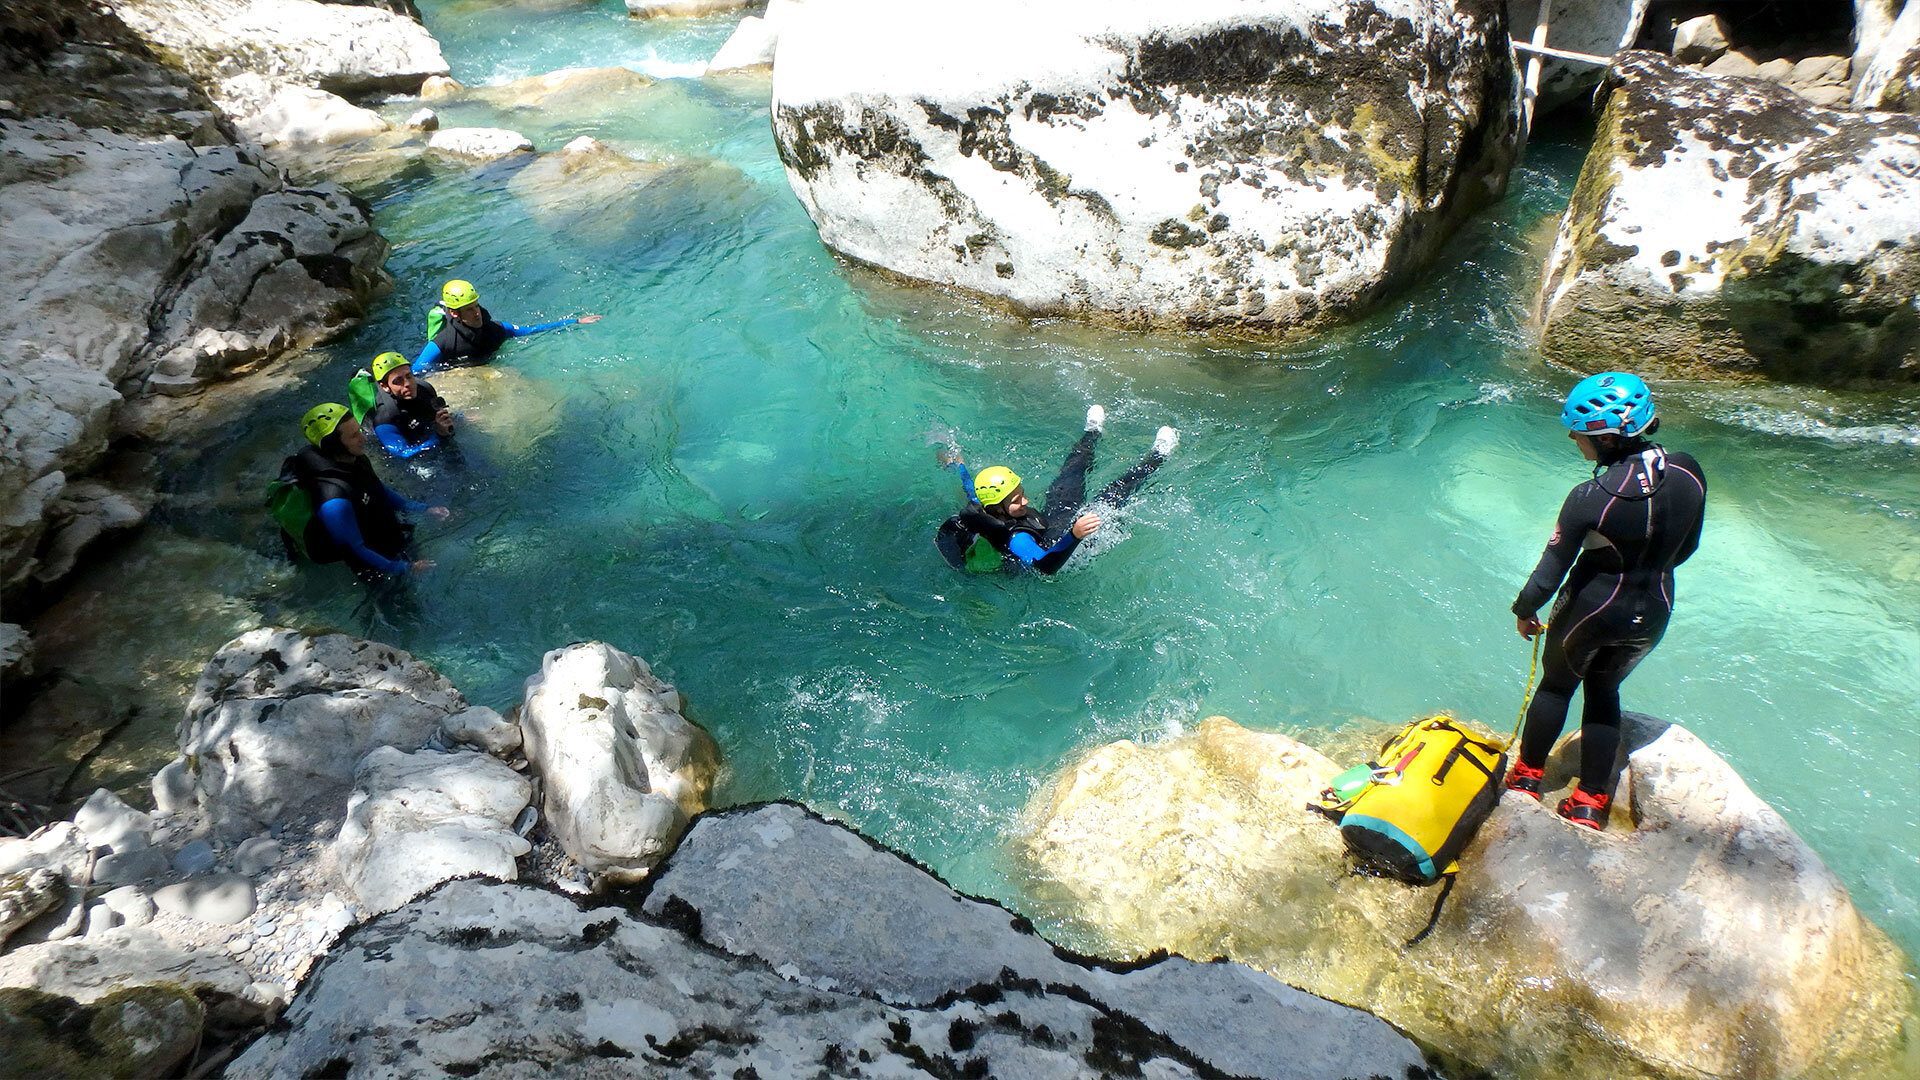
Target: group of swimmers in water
1608	566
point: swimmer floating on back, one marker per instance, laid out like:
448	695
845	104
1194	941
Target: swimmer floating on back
1001	525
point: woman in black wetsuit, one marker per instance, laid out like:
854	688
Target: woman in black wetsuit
1637	519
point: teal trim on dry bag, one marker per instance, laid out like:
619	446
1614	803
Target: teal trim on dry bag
362	395
1412	857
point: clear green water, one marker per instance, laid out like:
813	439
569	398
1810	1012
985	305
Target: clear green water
730	476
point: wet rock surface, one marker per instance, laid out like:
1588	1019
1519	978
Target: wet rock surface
1698	937
1725	227
145	251
607	991
1267	168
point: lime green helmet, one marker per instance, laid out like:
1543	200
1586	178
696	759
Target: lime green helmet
321	420
458	294
384	364
993	485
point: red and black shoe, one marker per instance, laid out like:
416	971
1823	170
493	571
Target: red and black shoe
1586	810
1525	779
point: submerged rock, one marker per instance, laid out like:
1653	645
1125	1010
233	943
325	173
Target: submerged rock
684	9
870	966
1707	941
567	90
279	721
419	819
1725	227
621	769
1279	167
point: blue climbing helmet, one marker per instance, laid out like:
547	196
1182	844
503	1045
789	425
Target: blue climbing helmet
1610	403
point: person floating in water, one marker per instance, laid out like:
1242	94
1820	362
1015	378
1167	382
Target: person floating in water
405	414
332	508
461	333
1000	525
1637	519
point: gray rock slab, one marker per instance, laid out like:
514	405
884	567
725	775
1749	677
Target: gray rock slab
602	991
196	857
126	868
825	906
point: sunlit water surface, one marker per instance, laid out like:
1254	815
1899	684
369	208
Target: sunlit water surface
731	476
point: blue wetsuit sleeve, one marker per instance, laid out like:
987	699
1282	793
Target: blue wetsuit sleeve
1048	561
537	328
427	358
966	481
401	502
336	515
399	447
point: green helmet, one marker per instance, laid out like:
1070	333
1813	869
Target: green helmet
993	485
321	420
384	364
458	293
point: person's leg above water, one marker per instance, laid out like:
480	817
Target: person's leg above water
1069	489
1117	493
1546	716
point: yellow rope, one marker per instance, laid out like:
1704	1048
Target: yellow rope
1526	699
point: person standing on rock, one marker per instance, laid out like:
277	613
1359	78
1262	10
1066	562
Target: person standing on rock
354	518
1001	526
461	333
408	417
1629	526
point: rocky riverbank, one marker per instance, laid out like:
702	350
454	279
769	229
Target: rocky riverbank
324	783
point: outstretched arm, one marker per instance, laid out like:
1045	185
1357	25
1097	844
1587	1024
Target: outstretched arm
1047	561
397	444
537	328
966	480
336	515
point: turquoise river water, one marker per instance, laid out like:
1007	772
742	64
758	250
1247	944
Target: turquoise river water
732	477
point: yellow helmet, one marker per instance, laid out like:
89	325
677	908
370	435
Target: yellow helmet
321	420
384	364
458	294
993	485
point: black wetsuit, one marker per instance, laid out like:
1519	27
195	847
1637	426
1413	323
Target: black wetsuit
1043	539
374	542
1629	526
411	417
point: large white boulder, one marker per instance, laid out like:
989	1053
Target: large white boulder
279	721
621	770
417	820
1264	165
339	48
1891	78
1674	948
1726	227
789	946
483	144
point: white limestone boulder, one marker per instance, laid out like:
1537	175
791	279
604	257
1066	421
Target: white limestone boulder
1674	948
417	820
273	113
621	770
478	143
279	721
684	9
25	895
93	969
750	45
1594	27
1700	40
1727	228
1891	75
62	850
1266	166
339	48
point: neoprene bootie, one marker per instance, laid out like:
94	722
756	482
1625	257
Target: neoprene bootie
1586	810
1525	779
